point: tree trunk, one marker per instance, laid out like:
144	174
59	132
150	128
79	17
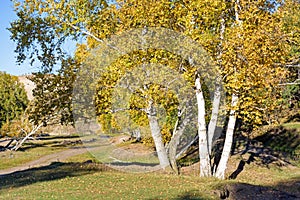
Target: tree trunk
214	116
173	148
187	147
156	134
205	167
228	140
18	145
217	93
220	173
173	144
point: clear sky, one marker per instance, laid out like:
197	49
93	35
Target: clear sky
7	55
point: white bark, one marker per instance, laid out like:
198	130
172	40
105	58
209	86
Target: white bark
173	148
173	144
34	130
205	168
214	116
187	146
220	173
237	7
156	134
217	93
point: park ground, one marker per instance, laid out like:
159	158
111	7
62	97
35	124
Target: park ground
60	167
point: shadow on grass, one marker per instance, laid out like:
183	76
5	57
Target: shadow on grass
44	141
291	186
54	171
279	146
280	142
50	143
288	190
126	164
190	195
55	137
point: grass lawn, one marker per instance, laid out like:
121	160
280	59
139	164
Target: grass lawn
96	181
75	178
114	185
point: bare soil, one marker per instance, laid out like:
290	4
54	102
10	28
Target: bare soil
46	160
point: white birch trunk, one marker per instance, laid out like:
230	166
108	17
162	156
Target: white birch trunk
214	117
34	130
173	144
173	148
186	147
156	134
220	173
217	93
205	168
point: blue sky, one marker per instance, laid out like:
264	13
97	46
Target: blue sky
7	55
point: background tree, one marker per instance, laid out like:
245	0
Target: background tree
290	12
13	100
52	102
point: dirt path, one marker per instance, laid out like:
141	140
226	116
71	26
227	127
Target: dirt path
63	155
46	160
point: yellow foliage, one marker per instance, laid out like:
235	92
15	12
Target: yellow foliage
248	54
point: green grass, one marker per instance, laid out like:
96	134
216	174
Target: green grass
96	181
294	125
15	158
89	184
82	158
75	179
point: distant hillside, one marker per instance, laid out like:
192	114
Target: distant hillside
29	86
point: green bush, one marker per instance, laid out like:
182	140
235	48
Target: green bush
13	98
